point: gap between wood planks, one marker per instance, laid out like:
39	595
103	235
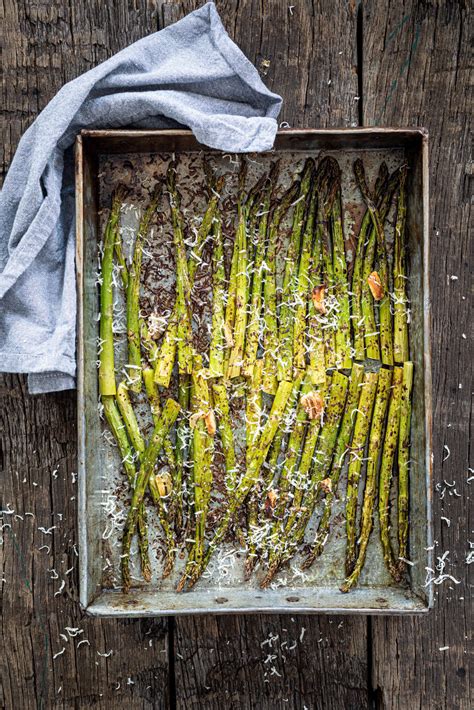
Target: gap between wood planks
371	691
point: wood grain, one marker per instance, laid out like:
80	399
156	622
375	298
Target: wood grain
416	72
109	663
45	45
271	661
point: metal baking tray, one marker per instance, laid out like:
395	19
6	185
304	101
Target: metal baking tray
138	158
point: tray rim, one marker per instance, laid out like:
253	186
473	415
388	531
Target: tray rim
96	607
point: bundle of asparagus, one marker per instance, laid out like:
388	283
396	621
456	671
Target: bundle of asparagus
294	352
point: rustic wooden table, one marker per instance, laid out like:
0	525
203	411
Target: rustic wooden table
336	63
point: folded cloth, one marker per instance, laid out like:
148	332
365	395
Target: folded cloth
189	74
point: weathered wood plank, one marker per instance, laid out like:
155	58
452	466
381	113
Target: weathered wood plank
276	662
307	54
41	613
45	45
416	71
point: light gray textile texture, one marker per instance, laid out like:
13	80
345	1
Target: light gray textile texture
189	74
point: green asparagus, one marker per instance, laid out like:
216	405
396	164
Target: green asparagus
342	448
361	432
404	463
356	559
285	353
133	296
388	456
167	419
400	318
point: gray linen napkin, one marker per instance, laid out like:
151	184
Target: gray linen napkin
189	74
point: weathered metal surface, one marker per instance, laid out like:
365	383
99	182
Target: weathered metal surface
138	158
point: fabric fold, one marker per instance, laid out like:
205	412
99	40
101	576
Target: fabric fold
189	74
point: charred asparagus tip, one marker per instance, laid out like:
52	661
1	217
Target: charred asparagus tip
168	568
272	570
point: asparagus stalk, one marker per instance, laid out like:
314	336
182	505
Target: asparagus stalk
240	323
269	468
167	419
107	385
296	525
388	456
181	449
343	329
117	427
231	304
295	441
400	319
254	410
307	453
316	310
247	482
247	216
216	350
342	447
119	255
371	337
403	463
270	330
254	407
165	357
276	446
253	328
155	406
299	327
374	453
327	269
203	447
159	502
134	434
106	353
148	343
224	424
133	296
152	394
183	282
128	414
386	333
285	358
320	335
361	432
357	273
